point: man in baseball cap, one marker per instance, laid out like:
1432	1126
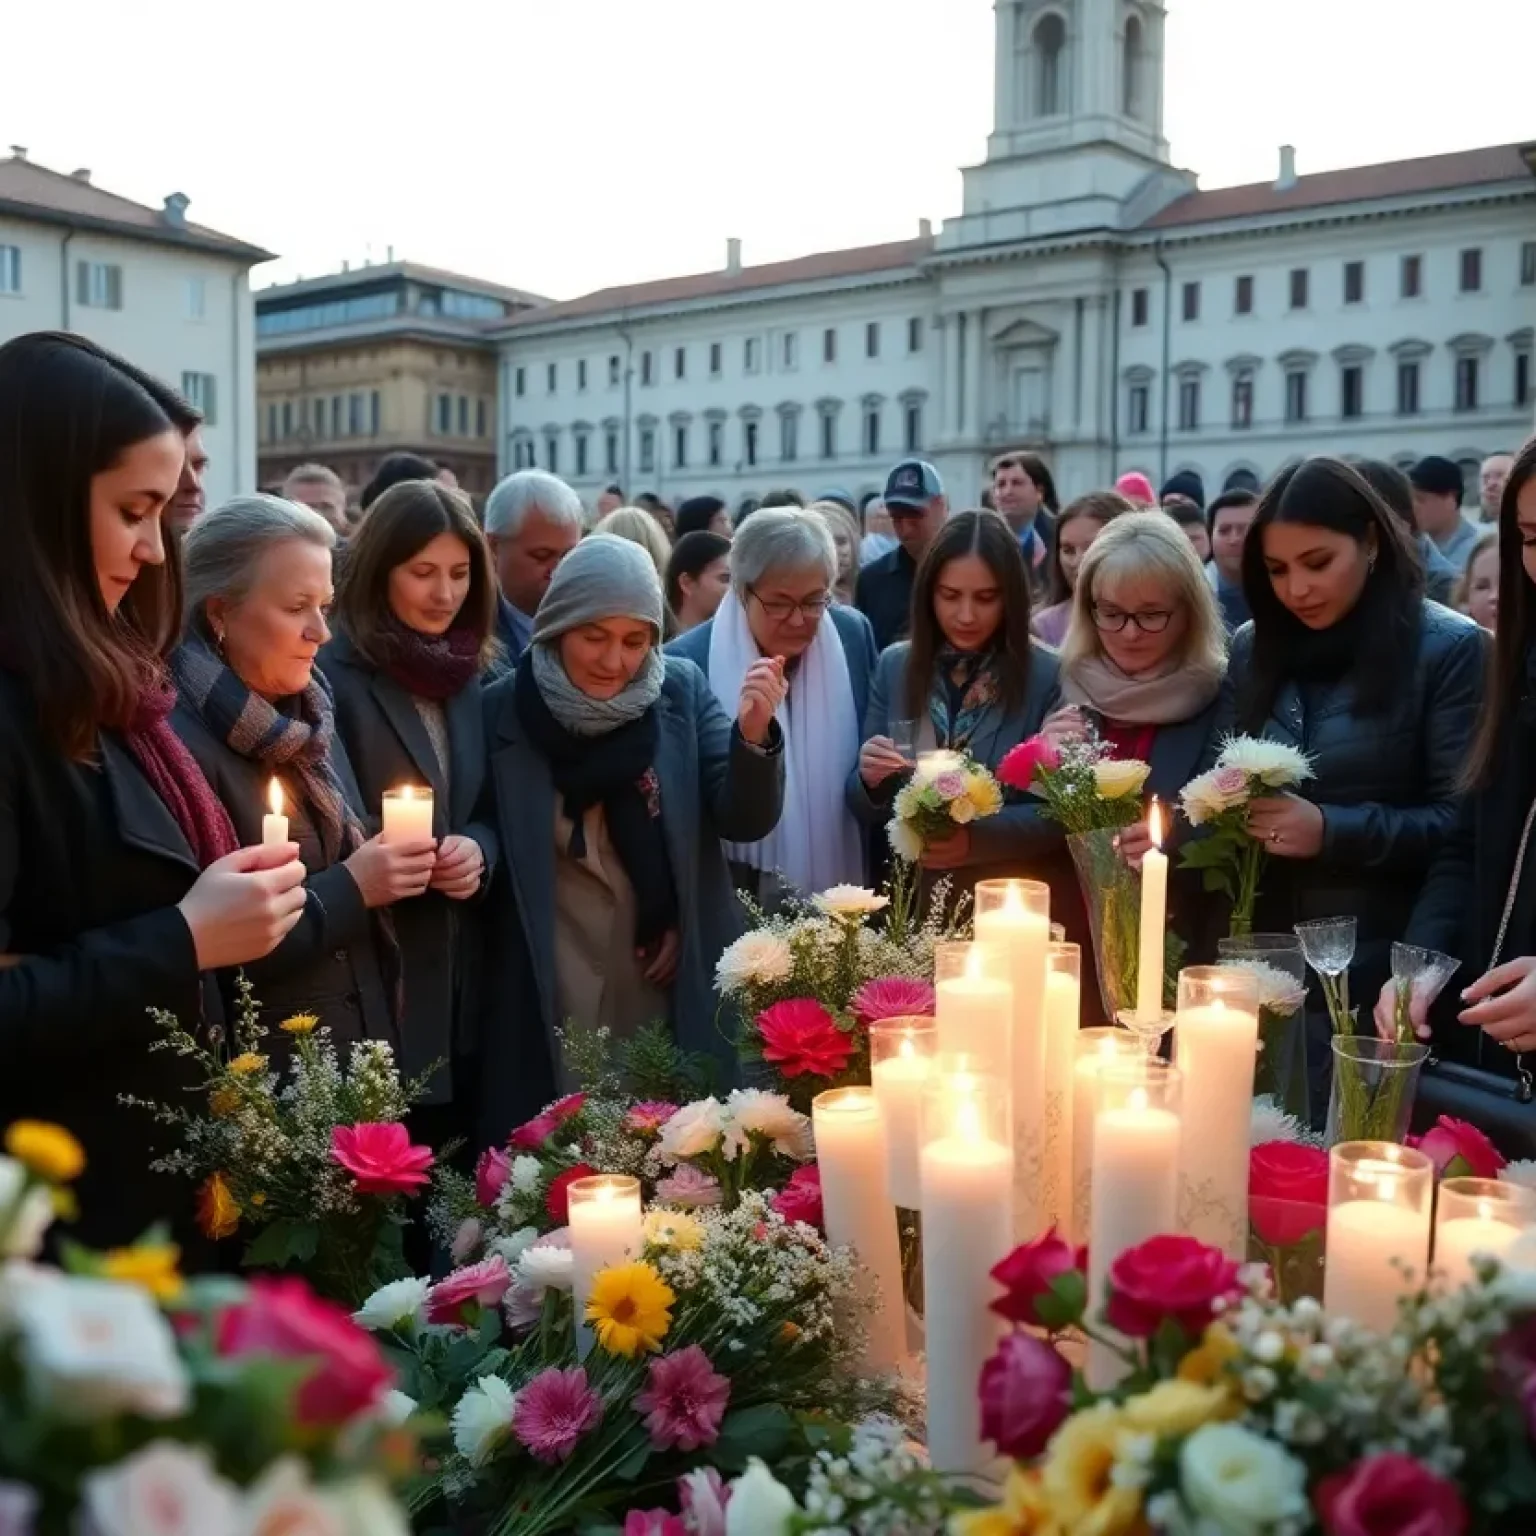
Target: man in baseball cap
915	500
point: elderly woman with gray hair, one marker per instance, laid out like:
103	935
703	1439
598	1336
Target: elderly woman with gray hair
614	775
783	567
255	712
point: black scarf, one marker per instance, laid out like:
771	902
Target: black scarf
618	772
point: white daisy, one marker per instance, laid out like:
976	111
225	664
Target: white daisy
1275	763
756	959
851	901
483	1419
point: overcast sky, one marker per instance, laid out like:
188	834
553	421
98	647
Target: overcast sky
565	145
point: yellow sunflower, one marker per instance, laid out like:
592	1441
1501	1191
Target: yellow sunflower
1023	1511
1076	1479
674	1229
46	1151
630	1308
300	1024
150	1265
247	1064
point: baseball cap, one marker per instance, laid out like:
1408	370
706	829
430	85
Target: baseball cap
839	495
912	485
1438	476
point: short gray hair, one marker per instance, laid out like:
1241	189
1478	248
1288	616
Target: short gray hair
508	506
314	474
220	552
781	539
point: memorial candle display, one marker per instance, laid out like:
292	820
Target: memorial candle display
407	814
605	1229
1063	1001
1154	921
973	1006
859	1214
1380	1197
1093	1051
967	1183
1477	1216
1216	1046
1013	919
901	1053
274	825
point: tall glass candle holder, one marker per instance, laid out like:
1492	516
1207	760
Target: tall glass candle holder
1477	1216
1380	1197
973	1005
605	1230
901	1060
1063	1004
1093	1050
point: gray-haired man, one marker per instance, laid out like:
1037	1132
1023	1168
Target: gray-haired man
533	520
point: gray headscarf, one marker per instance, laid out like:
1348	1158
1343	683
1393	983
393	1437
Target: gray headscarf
602	578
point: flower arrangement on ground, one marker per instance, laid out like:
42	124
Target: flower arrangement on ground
947	791
312	1160
136	1403
1230	860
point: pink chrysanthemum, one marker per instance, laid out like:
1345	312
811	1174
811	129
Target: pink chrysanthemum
554	1411
648	1116
684	1400
892	997
689	1187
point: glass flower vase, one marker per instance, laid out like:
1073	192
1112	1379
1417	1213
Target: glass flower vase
1374	1084
1112	893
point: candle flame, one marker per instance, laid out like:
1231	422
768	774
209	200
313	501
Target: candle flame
1107	1051
407	792
605	1194
1155	823
1136	1099
908	1050
967	1120
1013	904
1485	1210
275	797
973	964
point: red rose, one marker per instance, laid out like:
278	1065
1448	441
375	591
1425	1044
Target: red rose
1020	765
457	1299
1390	1495
532	1135
801	1038
557	1201
381	1158
1167	1278
1026	1394
1287	1191
282	1317
1459	1150
1028	1273
491	1175
800	1199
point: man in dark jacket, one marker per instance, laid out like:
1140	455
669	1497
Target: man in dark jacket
914	497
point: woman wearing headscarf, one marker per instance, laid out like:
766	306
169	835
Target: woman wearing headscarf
615	775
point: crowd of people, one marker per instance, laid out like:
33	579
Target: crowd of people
629	715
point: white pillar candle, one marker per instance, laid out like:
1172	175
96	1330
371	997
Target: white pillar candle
1379	1202
274	825
1063	1001
1013	919
973	1007
1093	1051
1154	918
605	1229
1135	1180
1216	1046
859	1214
967	1181
901	1053
407	814
1477	1216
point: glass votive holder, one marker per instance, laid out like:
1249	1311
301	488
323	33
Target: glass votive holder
965	1104
406	814
902	1056
1011	909
1216	1032
1380	1200
1217	987
1477	1216
1063	959
605	1229
973	1003
1095	1049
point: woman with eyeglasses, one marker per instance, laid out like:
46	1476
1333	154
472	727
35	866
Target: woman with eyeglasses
783	566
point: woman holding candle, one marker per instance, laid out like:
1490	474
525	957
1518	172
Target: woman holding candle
252	708
614	776
1078	524
121	878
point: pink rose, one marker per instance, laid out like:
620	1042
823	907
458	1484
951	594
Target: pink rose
381	1158
1026	1395
455	1301
800	1199
283	1318
1459	1150
532	1135
1390	1495
1020	766
1168	1279
491	1175
704	1496
1230	783
950	785
1287	1192
1029	1272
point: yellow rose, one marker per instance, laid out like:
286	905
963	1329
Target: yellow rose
149	1265
46	1151
985	797
962	811
1115	780
1173	1409
1077	1477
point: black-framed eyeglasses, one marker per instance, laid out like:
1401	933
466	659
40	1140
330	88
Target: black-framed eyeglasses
780	609
1151	621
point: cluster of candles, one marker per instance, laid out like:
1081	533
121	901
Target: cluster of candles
406	814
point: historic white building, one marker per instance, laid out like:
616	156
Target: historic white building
1089	302
171	296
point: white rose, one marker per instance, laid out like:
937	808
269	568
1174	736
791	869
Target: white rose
166	1489
753	1110
547	1269
694	1129
367	1508
392	1305
1243	1484
527	1174
905	843
512	1248
23	1237
284	1502
95	1348
482	1422
760	1504
851	901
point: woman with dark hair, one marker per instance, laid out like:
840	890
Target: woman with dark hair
415	625
698	577
394	469
973	679
121	879
703	514
1079	523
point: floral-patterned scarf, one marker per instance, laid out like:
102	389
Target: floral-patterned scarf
965	688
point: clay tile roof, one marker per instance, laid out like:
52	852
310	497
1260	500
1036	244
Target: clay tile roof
825	266
28	189
1357	184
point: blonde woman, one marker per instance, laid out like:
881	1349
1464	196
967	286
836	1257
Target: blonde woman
640	527
844	527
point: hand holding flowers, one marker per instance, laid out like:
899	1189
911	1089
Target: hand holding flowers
946	793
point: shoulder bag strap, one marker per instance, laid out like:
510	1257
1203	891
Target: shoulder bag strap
1527	1086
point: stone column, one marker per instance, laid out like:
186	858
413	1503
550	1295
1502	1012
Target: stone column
949	386
971	422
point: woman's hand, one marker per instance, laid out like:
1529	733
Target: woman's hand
661	960
1133	842
1385	1016
1287	825
1503	1004
244	905
948	852
879	760
1064	725
762	691
389	872
458	869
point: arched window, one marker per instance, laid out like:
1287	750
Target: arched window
1050	62
1131	68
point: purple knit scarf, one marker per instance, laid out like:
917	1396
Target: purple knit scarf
436	667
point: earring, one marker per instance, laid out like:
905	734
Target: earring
218	642
1370	561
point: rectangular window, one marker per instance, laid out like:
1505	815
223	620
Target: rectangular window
1295	398
1140	304
287	419
828	435
1242	401
789	437
376	412
520	382
716	443
1137	407
99	284
10	269
1522	378
872	339
552	455
647	365
1191	301
201	395
1472	270
551	378
789	349
463	415
1299	287
680	363
872	431
271	423
335	415
749	355
355	416
1242	296
444	415
829	345
581	373
1407	389
680	447
1411	277
479	418
1354	282
615	368
581	454
749	444
196	295
1466	383
1352	392
912	434
647	450
611	452
1189	405
915	334
1527	265
714	359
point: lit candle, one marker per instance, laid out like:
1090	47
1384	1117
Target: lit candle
1216	1046
859	1214
901	1055
1154	918
1379	1201
274	825
1093	1051
407	814
1135	1180
1013	919
974	1006
605	1229
1063	985
1477	1216
967	1182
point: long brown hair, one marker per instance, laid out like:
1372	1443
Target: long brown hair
69	410
398	526
1515	632
1102	507
987	536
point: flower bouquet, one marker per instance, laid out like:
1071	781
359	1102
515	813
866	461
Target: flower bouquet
313	1161
1230	859
947	791
136	1403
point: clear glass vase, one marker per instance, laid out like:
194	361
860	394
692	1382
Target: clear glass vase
1374	1084
1112	893
1278	961
1290	1236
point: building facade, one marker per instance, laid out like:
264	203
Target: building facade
1089	302
379	360
171	296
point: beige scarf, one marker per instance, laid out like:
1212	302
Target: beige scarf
1169	698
